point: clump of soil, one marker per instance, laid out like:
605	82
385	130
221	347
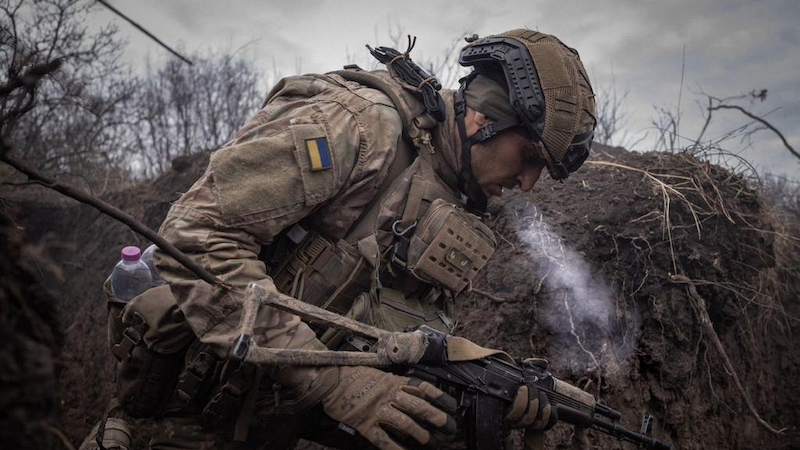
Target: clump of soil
30	347
640	347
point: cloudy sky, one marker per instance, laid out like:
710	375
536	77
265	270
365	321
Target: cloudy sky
731	47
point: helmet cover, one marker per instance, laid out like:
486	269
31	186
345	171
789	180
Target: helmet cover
548	88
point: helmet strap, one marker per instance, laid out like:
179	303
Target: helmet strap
466	179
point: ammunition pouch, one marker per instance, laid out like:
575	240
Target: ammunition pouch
149	337
390	310
449	246
323	273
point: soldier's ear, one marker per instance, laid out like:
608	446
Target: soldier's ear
480	119
477	117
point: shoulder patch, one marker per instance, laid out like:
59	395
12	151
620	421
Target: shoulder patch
318	154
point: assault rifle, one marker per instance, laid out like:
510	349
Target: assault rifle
484	386
485	389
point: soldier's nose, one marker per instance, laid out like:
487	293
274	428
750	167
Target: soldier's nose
528	177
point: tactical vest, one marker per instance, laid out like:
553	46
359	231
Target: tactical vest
410	252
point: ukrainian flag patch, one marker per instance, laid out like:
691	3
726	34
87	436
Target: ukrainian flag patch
318	154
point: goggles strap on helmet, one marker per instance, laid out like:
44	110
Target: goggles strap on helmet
490	129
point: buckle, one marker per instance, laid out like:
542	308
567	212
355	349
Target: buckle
446	320
224	403
399	252
131	337
191	379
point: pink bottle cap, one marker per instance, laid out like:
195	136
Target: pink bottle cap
131	253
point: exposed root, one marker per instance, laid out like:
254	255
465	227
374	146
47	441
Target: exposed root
667	190
579	341
490	296
58	433
705	321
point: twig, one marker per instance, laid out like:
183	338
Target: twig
141	28
762	121
489	295
705	321
680	96
112	211
60	434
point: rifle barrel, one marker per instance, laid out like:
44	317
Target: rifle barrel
620	432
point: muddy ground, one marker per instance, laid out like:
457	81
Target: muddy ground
620	325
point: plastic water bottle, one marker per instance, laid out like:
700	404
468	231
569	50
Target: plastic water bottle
130	276
147	257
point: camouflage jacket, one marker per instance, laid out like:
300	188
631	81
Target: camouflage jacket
318	151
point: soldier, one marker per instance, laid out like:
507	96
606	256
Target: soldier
337	193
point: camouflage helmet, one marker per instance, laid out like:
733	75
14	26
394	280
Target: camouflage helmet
547	87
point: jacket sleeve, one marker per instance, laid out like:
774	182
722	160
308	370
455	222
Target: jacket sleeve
279	169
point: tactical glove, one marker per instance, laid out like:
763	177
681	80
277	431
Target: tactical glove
531	410
378	405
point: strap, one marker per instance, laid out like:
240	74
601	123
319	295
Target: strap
477	199
131	337
490	129
197	373
246	413
409	310
227	401
406	110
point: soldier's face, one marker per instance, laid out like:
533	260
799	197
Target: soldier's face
506	161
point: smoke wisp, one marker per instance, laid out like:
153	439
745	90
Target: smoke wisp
581	313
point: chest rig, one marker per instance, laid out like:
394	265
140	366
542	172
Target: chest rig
412	249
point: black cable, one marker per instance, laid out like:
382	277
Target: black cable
410	73
141	28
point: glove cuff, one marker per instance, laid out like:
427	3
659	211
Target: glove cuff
311	384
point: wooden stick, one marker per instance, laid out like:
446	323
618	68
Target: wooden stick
314	314
110	210
295	357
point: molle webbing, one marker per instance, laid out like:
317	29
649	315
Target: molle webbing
366	224
303	259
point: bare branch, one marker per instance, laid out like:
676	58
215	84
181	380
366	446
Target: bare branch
760	120
112	211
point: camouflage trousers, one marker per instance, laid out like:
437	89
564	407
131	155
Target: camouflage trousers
187	432
275	432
